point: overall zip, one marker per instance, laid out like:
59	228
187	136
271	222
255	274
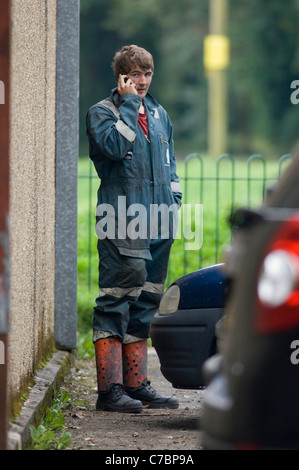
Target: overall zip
163	140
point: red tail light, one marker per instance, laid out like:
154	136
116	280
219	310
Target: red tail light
278	281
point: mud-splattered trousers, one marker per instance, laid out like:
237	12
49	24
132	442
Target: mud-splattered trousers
138	184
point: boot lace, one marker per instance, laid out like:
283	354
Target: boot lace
118	391
148	387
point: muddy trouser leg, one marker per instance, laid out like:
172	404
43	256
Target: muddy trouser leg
135	378
143	310
121	279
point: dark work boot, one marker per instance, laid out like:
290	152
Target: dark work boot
135	377
117	400
149	397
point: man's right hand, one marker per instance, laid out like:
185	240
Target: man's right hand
125	86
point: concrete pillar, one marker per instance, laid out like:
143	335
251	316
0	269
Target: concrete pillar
4	213
67	138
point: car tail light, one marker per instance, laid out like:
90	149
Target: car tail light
278	281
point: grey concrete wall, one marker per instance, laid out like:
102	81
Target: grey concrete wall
32	199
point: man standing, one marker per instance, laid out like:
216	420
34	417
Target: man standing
131	146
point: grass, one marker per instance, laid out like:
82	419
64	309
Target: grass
204	181
50	434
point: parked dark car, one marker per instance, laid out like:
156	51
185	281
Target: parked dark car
183	330
252	395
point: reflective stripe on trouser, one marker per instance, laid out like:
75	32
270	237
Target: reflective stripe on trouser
108	354
134	363
130	290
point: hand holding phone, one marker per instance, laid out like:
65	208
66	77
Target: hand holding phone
126	86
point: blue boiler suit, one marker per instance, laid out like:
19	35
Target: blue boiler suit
137	173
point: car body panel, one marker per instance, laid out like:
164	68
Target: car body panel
186	338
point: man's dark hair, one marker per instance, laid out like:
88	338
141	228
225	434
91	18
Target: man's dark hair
130	56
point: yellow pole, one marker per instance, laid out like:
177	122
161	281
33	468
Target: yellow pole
216	58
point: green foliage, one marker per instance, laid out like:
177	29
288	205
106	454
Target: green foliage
49	435
264	41
85	345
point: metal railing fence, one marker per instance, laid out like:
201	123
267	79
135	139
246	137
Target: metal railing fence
219	186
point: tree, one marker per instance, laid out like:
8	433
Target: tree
265	39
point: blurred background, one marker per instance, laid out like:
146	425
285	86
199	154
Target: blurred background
254	86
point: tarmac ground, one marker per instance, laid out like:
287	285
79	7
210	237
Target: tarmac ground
152	429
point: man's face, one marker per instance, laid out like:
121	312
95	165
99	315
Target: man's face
141	79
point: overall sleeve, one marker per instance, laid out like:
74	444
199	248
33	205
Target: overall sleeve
114	131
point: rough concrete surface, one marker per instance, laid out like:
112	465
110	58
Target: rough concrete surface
48	381
151	430
32	187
